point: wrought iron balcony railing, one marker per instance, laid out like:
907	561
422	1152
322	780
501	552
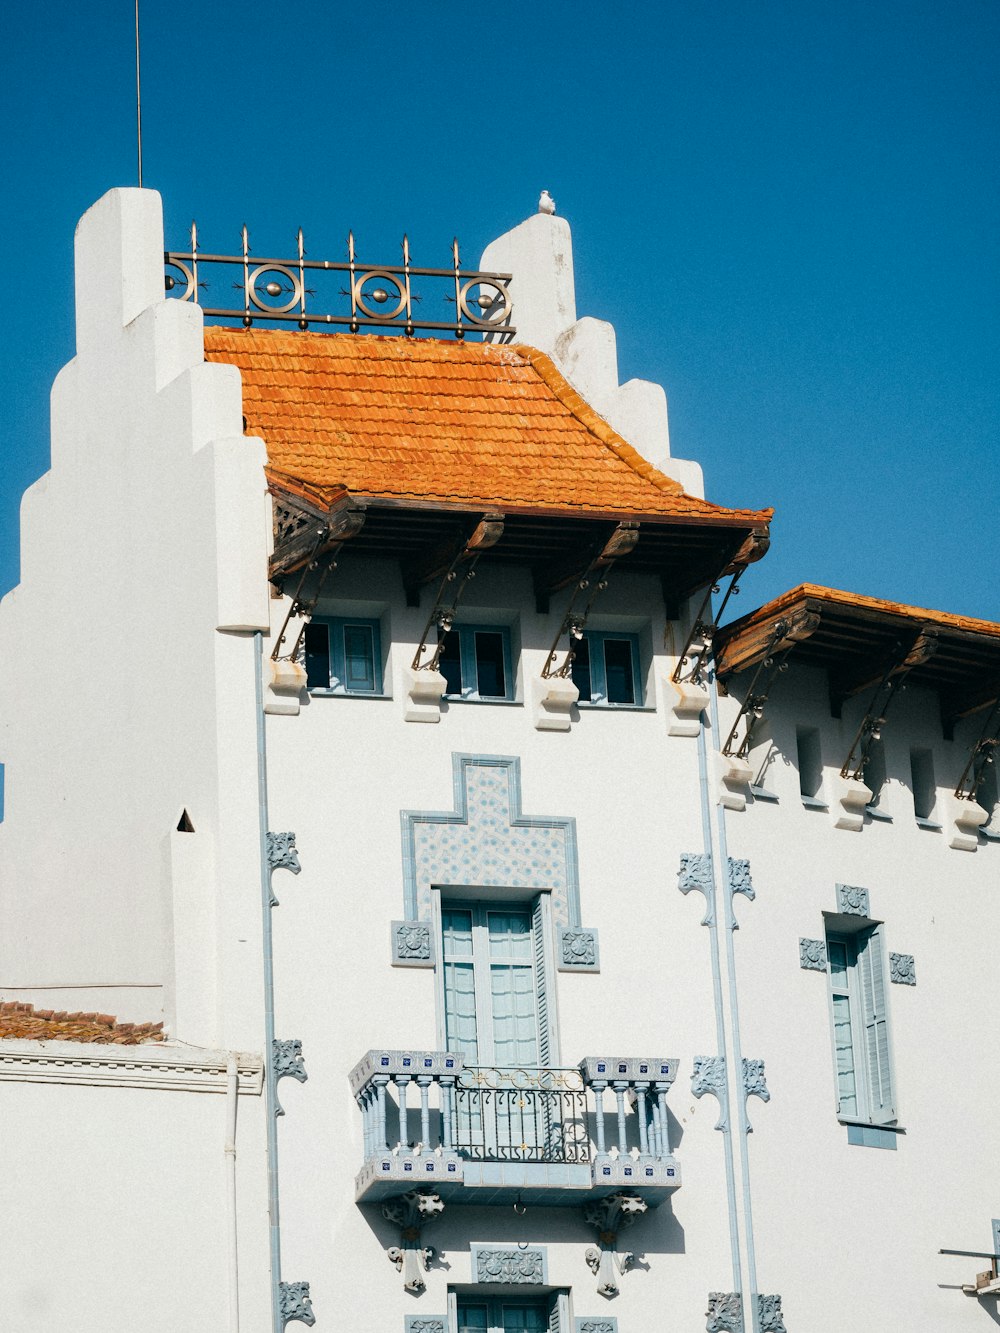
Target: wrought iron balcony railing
547	1135
378	297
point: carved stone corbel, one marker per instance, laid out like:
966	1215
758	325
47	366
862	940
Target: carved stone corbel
736	775
281	855
411	1212
965	818
754	1085
609	1216
696	873
709	1075
769	1314
288	1063
725	1312
739	882
294	1303
688	702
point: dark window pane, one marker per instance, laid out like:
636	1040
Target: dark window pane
318	657
581	669
359	658
618	670
450	663
490	682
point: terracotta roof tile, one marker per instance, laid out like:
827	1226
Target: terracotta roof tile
25	1021
836	597
452	422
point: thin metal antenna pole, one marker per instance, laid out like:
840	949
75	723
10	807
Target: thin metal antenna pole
138	93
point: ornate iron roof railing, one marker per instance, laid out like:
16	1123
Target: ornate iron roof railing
377	297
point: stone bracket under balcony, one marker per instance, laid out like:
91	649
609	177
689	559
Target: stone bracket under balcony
485	1135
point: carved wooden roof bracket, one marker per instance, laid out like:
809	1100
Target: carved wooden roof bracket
920	648
786	633
457	575
590	582
981	755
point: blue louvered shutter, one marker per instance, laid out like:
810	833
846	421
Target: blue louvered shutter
871	971
555	1314
539	932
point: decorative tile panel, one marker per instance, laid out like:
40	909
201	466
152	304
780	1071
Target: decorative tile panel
486	841
578	950
812	955
411	944
596	1324
510	1265
902	969
852	901
426	1323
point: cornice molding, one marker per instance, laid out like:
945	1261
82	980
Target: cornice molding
174	1068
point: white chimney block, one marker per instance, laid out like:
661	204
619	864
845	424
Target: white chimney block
119	265
539	253
638	412
587	354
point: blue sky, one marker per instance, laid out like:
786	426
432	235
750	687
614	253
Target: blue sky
788	209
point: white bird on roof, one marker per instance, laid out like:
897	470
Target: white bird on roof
546	204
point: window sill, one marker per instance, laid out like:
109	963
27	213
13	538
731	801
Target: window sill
893	1125
319	693
590	706
475	699
860	1134
878	814
762	794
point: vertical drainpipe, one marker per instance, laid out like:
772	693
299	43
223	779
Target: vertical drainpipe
720	1026
736	1080
270	1093
232	1092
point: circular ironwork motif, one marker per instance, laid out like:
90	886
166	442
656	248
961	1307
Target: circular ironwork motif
484	310
380	294
274	289
170	282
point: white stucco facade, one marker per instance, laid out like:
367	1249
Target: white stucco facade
130	1201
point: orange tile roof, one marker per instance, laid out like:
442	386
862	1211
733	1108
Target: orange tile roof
461	423
24	1020
836	597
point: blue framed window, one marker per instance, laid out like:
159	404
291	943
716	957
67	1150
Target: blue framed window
476	662
606	669
508	1315
344	655
860	1027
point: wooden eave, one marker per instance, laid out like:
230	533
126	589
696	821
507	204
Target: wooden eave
686	552
858	642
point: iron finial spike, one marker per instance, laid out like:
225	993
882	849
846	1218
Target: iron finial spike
454	251
246	239
350	246
406	248
194	236
301	242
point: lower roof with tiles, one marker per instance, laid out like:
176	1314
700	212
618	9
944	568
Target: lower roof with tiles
468	424
26	1022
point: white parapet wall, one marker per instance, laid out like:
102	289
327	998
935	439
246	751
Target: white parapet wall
129	698
539	255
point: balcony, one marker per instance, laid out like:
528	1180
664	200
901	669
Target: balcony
490	1135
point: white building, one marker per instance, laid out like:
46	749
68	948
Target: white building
497	955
